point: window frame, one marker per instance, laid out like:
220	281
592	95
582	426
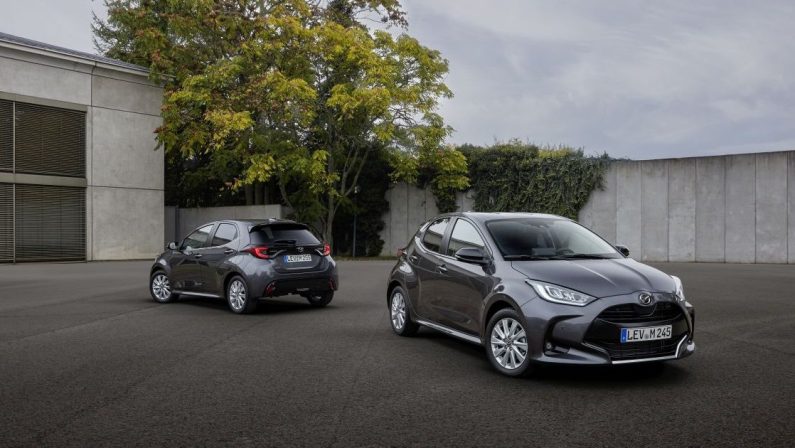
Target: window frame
215	232
486	249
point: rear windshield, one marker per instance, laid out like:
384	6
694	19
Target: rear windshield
283	233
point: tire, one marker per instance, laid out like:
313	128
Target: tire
319	300
160	288
506	344
238	298
399	313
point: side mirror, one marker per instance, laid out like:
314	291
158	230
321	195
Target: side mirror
172	246
471	255
623	249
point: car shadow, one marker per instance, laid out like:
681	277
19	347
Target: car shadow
283	305
570	375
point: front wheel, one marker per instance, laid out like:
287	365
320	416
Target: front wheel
238	298
506	345
400	315
160	288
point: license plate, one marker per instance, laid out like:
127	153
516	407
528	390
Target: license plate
297	258
645	333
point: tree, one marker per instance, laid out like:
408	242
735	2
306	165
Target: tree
297	92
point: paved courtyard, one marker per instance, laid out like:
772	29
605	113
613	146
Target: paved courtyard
88	359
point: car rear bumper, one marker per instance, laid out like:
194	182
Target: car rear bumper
561	334
265	281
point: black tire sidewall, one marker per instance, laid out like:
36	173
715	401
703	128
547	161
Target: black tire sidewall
526	367
324	299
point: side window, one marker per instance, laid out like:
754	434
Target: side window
464	235
432	239
225	234
197	239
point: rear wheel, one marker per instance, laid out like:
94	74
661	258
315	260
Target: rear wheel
399	314
320	299
507	346
238	298
160	288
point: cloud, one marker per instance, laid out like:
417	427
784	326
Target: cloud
637	79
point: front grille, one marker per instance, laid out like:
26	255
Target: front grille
629	313
640	350
605	331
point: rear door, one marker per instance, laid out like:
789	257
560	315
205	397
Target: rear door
292	247
430	275
185	269
214	267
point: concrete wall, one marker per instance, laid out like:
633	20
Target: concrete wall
736	209
124	170
181	221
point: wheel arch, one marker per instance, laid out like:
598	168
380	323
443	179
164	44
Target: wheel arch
494	305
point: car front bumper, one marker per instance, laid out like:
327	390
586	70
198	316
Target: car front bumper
563	334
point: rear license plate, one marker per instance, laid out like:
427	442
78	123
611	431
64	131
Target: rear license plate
297	258
645	333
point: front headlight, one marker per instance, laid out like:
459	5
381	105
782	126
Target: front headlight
559	294
680	292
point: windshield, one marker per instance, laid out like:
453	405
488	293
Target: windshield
547	239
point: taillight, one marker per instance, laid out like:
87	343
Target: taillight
259	252
326	249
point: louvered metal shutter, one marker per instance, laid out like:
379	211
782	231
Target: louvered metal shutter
6	223
50	223
50	140
6	135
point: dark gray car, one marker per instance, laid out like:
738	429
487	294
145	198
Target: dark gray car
536	288
243	261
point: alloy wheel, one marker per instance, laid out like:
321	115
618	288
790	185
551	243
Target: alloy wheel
509	343
398	311
237	295
161	288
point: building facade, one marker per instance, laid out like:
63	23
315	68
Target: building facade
81	177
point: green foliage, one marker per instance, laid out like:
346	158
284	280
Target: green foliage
296	92
515	176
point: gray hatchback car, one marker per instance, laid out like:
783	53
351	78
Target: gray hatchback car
243	261
534	288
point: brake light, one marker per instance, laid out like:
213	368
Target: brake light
259	252
326	249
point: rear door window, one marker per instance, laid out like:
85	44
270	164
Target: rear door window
225	234
432	239
283	233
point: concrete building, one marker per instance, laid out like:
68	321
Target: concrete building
80	175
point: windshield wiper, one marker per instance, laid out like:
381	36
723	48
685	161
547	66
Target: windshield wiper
582	257
527	257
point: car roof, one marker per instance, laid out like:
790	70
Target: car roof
488	216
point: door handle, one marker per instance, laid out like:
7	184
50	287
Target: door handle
442	269
197	256
229	251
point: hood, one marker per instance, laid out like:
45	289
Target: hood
598	278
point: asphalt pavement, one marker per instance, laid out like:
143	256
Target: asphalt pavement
88	359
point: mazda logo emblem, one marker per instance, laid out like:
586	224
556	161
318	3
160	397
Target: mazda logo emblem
300	249
644	298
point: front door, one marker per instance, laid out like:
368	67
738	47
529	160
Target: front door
185	270
465	284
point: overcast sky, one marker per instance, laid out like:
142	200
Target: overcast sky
636	79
